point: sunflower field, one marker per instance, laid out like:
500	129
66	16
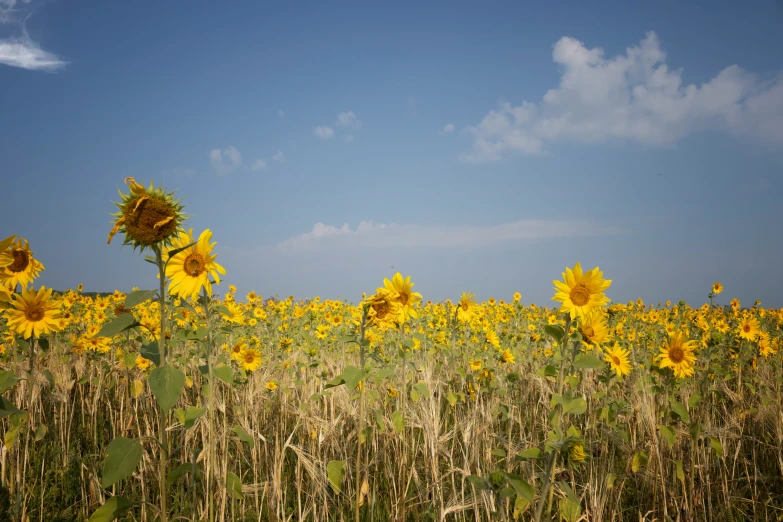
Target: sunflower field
172	402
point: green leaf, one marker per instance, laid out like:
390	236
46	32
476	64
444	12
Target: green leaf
521	486
382	374
117	325
576	406
44	344
585	360
716	445
530	453
547	371
166	384
499	452
8	380
352	376
680	473
681	412
694	400
346	339
224	373
520	505
555	331
569	510
130	359
40	432
639	461
451	398
399	421
7	408
49	378
192	414
480	483
234	486
422	389
668	433
139	296
111	509
335	471
122	457
243	435
151	351
180	471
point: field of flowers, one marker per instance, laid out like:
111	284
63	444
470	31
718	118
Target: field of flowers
173	403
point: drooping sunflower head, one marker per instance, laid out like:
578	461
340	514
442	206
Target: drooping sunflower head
17	264
147	216
383	307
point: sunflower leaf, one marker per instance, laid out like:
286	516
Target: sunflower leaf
166	384
117	325
111	509
335	471
585	360
122	457
139	296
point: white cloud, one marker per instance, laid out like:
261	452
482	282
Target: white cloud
630	97
279	156
324	133
226	161
348	119
25	53
259	164
349	138
281	113
373	235
448	128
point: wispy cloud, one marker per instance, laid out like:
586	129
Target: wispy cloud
631	97
323	132
259	164
226	161
348	119
23	52
448	128
375	235
279	156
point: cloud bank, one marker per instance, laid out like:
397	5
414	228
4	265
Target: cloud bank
633	97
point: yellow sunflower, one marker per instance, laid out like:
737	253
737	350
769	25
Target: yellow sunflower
33	313
717	288
147	217
190	270
593	328
507	357
749	328
677	354
617	357
466	306
250	359
403	288
517	297
582	292
17	264
384	308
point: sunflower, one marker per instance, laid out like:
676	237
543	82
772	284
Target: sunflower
617	357
749	328
677	354
517	297
576	453
383	307
466	306
492	338
190	269
142	363
17	264
271	386
403	289
147	217
237	349
507	357
33	313
475	364
581	293
250	359
717	288
593	328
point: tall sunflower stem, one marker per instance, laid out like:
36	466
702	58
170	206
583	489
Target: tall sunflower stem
210	408
360	425
162	464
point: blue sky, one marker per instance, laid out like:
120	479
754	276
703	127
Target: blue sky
474	146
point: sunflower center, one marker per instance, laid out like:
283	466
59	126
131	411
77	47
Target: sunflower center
588	331
381	309
21	261
746	328
615	360
249	357
676	354
142	216
465	306
404	299
580	295
34	313
194	264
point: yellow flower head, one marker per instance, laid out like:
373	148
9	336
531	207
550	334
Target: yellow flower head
717	288
190	270
466	306
250	359
407	298
617	357
17	264
581	292
33	313
677	354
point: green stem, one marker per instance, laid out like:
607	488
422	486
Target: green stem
361	419
547	480
210	409
162	464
